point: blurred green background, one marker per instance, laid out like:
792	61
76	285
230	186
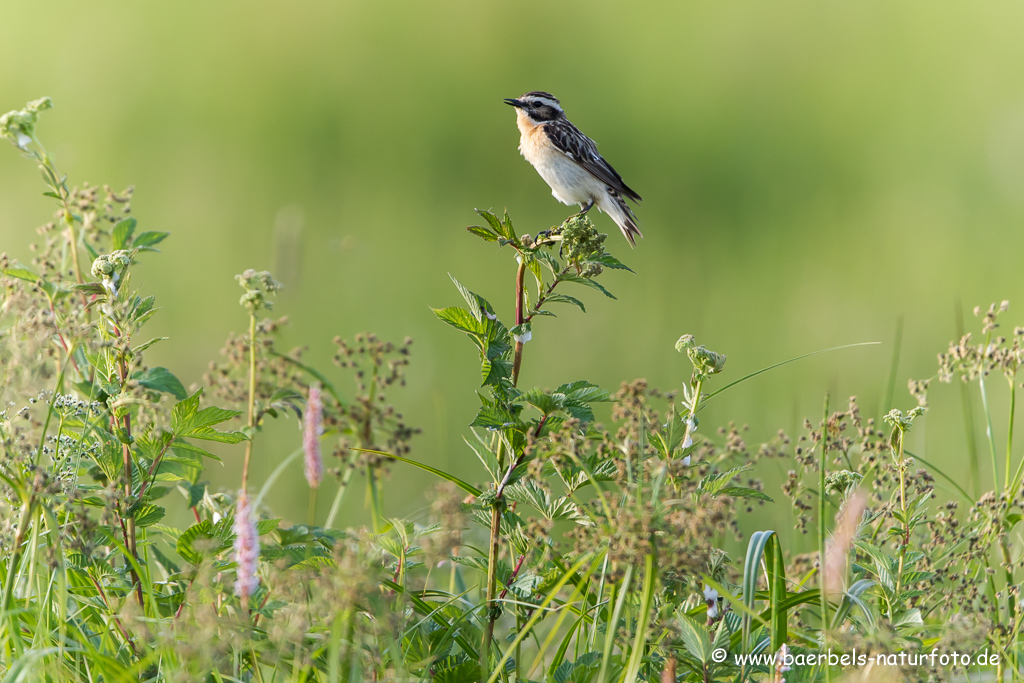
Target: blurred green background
812	173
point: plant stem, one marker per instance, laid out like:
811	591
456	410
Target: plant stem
492	582
988	423
252	399
1009	428
19	538
340	495
906	523
520	296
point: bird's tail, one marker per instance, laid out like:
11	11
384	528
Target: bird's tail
616	207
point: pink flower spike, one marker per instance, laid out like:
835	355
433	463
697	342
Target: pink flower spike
314	428
247	550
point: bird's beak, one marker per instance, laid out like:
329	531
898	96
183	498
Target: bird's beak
514	103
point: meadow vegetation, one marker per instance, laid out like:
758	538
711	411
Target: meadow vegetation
576	551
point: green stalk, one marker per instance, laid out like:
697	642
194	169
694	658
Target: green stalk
968	410
646	607
1011	489
340	495
520	294
906	524
988	426
894	365
1009	429
252	400
609	637
311	514
822	538
492	583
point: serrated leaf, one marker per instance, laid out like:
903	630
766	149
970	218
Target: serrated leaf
182	445
145	345
544	402
459	318
483	232
195	494
149	514
716	481
584	391
493	417
471	299
587	282
609	261
22	274
200	541
744	492
162	379
557	298
122	233
92	288
148	239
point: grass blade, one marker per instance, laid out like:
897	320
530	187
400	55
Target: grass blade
786	362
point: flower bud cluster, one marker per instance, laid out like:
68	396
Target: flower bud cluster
705	362
580	241
257	285
19	126
110	268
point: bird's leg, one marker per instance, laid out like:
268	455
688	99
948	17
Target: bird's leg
585	209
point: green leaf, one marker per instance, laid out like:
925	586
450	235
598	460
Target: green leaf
545	403
494	417
744	492
201	541
188	421
122	233
459	318
557	298
195	494
93	288
471	299
182	445
149	514
584	391
22	274
695	638
483	232
145	345
161	379
713	483
493	221
587	282
148	239
609	261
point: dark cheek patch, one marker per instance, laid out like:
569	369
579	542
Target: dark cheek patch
544	113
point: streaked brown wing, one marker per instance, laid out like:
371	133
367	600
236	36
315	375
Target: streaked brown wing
568	139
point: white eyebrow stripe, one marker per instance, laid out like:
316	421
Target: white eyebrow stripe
543	100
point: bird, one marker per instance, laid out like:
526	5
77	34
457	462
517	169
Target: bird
569	162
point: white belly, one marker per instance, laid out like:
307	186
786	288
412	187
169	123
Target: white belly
570	183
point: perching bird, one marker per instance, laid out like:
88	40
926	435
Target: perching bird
569	162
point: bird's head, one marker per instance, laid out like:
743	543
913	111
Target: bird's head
538	106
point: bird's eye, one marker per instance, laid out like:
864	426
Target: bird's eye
536	105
